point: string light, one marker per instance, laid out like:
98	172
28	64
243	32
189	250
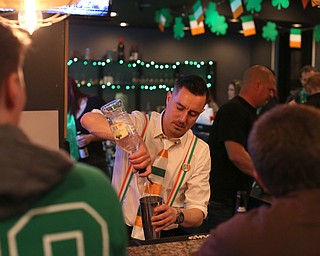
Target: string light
152	85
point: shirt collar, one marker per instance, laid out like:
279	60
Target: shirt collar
160	134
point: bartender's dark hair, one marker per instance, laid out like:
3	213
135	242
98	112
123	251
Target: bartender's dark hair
12	47
285	156
195	84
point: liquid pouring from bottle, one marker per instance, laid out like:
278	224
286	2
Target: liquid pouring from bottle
124	132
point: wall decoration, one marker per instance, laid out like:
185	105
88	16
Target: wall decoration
280	4
198	11
163	18
195	27
236	8
295	38
162	22
253	6
248	25
269	31
216	22
178	28
205	12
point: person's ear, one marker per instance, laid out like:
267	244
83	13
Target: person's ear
11	89
169	95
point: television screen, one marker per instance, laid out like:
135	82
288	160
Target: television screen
85	8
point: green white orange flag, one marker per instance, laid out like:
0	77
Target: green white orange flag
295	38
248	25
198	11
195	27
236	8
162	22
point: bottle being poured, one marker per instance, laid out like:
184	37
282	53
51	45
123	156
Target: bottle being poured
124	132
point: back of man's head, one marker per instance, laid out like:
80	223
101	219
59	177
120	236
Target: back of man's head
285	147
11	48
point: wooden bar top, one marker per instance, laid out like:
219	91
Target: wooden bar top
175	246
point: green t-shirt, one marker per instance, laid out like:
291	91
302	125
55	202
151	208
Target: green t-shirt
81	214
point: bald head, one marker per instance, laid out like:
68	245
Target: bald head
255	73
258	85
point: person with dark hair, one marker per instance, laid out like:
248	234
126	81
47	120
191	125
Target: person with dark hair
313	90
233	89
299	96
231	165
80	103
186	174
290	173
47	199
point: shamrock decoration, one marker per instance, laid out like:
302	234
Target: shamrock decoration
280	3
166	13
269	31
316	33
220	27
253	6
178	28
211	14
217	23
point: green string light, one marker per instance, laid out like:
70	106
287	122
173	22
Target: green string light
148	65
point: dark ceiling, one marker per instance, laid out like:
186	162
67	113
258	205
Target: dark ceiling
140	13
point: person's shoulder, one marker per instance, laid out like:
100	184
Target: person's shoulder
88	175
204	145
232	106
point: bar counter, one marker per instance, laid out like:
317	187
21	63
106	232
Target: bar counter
175	246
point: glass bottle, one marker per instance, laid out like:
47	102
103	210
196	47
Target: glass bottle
121	49
241	202
83	151
124	132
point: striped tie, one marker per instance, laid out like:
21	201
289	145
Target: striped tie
156	177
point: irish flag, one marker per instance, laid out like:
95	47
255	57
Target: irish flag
248	26
198	11
295	38
162	22
196	29
236	8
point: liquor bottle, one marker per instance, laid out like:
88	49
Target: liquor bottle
83	151
241	202
121	55
124	132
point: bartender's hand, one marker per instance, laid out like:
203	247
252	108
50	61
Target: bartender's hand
141	159
164	216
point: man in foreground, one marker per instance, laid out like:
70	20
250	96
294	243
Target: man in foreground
287	166
183	182
231	165
47	202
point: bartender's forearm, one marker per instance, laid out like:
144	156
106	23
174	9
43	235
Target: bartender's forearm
192	217
97	125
